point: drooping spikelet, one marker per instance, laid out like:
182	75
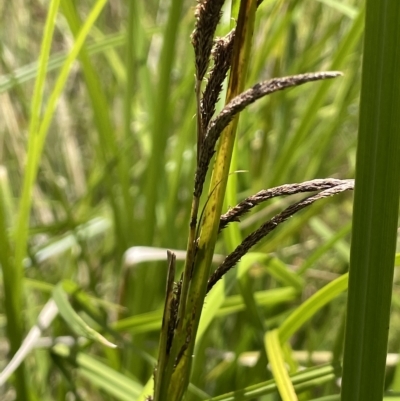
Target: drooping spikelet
232	259
239	103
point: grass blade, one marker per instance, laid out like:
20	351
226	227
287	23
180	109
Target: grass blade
15	273
74	321
30	71
161	119
299	380
100	375
276	360
308	308
376	206
108	144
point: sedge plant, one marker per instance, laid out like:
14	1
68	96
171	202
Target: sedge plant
185	297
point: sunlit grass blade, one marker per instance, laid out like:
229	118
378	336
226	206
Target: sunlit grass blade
30	71
308	308
277	363
74	321
342	247
38	134
301	380
15	272
100	375
376	205
329	243
151	321
282	273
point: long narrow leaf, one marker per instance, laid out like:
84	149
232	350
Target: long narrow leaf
100	375
376	206
276	360
74	321
15	274
308	308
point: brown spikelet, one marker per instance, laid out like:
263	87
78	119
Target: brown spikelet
208	14
251	240
222	56
247	204
236	105
259	90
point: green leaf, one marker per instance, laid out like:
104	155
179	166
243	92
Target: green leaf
301	381
114	383
151	321
277	362
74	321
283	274
329	242
342	7
30	71
307	309
147	390
14	273
376	206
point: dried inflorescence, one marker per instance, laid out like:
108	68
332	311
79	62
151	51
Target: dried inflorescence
236	105
251	240
222	57
207	13
247	204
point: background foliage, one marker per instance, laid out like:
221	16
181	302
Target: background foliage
116	172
